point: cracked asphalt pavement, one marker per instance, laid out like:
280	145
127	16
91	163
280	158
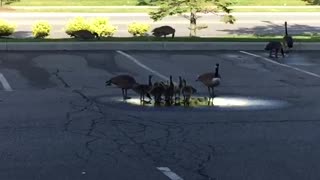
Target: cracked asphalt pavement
61	122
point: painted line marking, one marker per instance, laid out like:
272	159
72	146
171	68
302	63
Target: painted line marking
166	171
144	66
283	65
5	83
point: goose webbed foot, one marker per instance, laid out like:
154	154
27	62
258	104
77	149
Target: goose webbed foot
210	103
146	102
127	97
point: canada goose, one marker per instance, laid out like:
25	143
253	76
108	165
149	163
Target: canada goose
283	45
169	92
84	34
287	38
275	46
211	80
143	90
163	31
157	90
177	90
124	82
187	91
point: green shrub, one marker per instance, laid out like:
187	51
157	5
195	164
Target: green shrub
102	27
138	29
99	25
76	24
6	28
41	29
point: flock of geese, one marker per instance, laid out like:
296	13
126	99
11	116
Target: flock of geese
166	91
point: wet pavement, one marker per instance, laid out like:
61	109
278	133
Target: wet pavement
61	122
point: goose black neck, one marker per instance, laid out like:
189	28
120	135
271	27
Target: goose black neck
150	83
286	28
217	72
171	82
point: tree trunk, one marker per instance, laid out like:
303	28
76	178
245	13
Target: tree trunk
193	25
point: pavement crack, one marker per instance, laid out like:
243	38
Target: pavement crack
87	106
82	95
93	124
66	85
70	113
202	166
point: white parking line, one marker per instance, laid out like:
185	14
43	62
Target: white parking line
166	171
143	66
5	83
283	65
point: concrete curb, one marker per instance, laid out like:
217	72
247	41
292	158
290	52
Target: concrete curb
145	46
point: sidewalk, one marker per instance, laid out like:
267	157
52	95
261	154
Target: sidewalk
153	7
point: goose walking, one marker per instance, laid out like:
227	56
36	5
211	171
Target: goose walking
211	80
287	38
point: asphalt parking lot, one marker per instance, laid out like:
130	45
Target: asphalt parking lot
59	121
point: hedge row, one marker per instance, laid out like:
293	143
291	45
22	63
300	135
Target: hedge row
99	25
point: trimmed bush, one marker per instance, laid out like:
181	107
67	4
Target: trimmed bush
41	29
102	27
6	28
98	25
77	24
138	29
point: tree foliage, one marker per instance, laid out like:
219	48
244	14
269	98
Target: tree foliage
312	2
193	7
7	2
146	2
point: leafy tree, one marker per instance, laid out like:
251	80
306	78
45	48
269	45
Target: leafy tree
178	7
7	2
312	2
145	2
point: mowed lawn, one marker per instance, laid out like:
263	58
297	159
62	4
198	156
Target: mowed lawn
135	2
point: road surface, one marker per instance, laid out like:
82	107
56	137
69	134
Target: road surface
247	23
59	121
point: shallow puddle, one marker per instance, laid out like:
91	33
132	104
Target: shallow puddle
221	102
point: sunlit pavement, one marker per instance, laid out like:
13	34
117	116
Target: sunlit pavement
61	122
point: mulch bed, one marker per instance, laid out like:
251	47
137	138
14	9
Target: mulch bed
6	9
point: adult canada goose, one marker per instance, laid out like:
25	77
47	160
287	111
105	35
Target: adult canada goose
124	82
143	90
287	38
275	46
187	91
211	80
85	34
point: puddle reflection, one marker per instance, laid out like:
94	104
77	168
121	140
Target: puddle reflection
225	102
